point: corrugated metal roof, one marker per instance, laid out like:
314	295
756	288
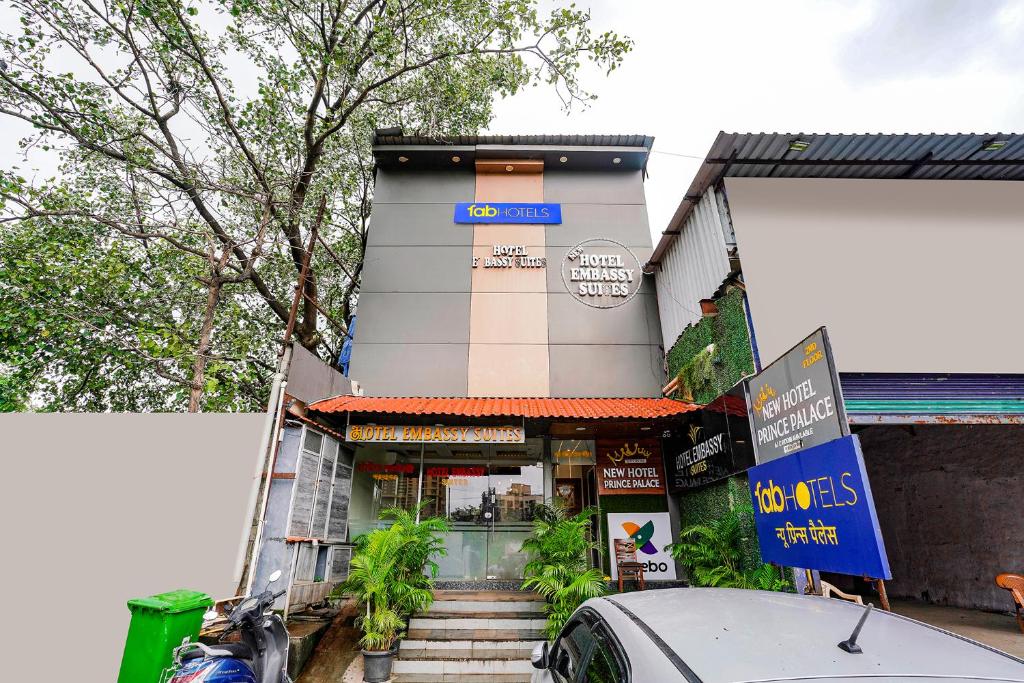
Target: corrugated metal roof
944	394
693	269
569	408
558	140
927	156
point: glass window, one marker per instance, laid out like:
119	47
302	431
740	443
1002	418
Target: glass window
572	650
603	666
314	440
381	479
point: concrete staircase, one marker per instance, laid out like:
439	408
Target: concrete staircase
470	637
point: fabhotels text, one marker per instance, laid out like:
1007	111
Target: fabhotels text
504	212
539	211
813	509
820	493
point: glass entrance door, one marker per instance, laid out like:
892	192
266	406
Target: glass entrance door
490	505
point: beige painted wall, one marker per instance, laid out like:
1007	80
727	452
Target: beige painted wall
508	315
97	509
908	275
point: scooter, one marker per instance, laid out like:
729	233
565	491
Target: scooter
260	657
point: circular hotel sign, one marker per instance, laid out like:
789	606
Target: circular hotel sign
601	273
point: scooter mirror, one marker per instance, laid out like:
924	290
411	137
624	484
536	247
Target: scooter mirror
274	577
210	615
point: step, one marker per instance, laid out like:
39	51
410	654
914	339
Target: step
466	649
468	628
461	667
493	634
487	596
461	678
484	609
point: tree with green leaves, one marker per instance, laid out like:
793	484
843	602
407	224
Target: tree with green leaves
197	142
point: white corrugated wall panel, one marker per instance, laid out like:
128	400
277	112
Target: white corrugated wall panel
693	267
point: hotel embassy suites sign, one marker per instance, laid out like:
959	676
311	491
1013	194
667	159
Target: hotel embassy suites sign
362	433
601	273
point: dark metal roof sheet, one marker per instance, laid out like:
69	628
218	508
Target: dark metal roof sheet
557	140
928	156
923	156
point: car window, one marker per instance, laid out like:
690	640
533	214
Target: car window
603	667
572	650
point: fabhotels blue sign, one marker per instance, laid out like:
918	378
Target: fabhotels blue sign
497	212
814	509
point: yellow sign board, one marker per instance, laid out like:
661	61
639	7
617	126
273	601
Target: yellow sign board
434	434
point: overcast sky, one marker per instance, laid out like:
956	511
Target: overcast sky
780	65
789	66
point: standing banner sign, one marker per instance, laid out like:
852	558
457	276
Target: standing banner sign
796	402
814	509
651	531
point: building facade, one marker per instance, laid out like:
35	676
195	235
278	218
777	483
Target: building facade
508	355
451	308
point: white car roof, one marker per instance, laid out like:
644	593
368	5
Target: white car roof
728	636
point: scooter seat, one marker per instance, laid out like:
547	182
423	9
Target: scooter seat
240	650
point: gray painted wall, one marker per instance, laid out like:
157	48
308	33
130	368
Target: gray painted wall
414	307
948	500
310	379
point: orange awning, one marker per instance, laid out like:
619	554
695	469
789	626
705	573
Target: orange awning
561	408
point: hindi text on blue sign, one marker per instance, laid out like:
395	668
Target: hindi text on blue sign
814	509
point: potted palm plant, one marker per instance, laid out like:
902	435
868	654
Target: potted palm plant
559	570
387	575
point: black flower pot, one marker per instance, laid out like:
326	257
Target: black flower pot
377	665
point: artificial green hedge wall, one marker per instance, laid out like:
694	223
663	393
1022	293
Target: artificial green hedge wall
712	501
635	503
732	360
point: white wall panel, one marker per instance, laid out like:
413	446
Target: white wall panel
143	504
908	275
693	267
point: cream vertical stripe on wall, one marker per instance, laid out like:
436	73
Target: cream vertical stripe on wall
508	319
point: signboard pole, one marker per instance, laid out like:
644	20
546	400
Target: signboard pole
882	595
419	489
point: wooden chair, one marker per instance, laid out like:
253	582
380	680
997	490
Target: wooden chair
828	590
626	564
1015	584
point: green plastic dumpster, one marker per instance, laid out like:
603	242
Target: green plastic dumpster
159	624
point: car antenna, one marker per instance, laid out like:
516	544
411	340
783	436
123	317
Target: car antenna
850	644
